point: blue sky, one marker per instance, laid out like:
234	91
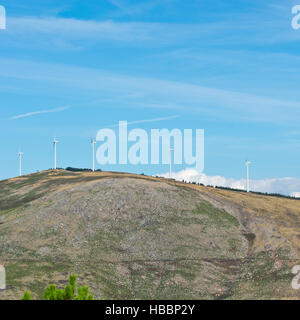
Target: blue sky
229	67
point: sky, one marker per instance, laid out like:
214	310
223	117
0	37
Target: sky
232	68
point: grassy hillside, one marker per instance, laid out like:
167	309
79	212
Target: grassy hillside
137	237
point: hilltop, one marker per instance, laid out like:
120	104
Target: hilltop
137	237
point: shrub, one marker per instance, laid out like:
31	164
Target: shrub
27	296
71	292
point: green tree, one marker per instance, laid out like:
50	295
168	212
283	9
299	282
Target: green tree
84	294
71	292
27	295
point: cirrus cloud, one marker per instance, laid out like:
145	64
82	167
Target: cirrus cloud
34	113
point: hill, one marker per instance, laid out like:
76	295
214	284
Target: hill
136	237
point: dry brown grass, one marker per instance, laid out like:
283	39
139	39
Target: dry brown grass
282	212
57	219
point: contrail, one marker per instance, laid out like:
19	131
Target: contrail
144	121
29	114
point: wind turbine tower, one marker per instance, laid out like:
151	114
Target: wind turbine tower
93	142
55	142
20	155
171	162
248	182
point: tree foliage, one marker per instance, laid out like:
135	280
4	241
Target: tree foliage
27	295
80	169
70	292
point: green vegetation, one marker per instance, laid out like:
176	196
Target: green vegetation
278	195
27	295
70	292
81	169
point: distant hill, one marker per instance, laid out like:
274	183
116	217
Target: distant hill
137	237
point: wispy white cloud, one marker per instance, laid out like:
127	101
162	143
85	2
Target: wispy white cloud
146	121
285	186
34	113
74	30
51	32
157	93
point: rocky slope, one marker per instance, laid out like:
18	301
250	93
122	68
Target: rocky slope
137	237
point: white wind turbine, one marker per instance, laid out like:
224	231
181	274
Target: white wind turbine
55	142
170	150
20	156
247	168
93	142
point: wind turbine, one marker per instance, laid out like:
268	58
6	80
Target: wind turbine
248	182
171	162
20	155
93	142
55	142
